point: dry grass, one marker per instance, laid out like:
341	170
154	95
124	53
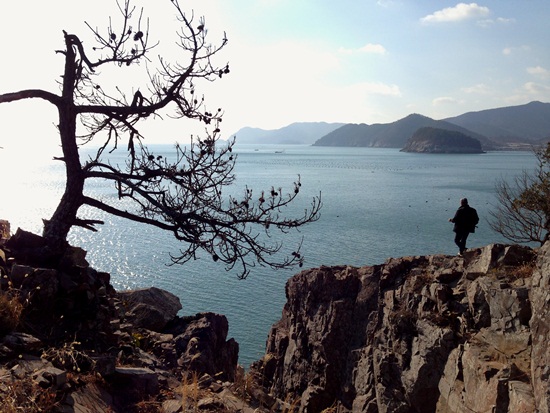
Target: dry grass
11	309
148	407
27	396
524	271
190	393
292	404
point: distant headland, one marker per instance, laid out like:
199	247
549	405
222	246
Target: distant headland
507	128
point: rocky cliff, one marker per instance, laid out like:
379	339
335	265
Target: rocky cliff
416	334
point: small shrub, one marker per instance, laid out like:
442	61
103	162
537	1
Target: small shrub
68	357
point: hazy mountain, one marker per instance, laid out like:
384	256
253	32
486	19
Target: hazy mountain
390	135
295	133
513	127
530	122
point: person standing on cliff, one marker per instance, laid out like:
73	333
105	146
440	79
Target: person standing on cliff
465	221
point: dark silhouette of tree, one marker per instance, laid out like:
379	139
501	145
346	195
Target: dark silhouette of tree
523	212
182	194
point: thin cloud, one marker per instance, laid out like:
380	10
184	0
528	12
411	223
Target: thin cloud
460	12
539	71
536	89
373	48
490	22
387	3
370	48
507	51
444	100
503	20
479	89
378	88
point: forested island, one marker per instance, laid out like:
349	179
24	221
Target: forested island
435	140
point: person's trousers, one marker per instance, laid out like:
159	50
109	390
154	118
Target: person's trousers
460	240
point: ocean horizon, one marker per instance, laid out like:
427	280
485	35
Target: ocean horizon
377	203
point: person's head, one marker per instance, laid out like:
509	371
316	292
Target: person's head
464	201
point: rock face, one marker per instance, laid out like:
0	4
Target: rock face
434	140
416	334
540	331
150	308
129	346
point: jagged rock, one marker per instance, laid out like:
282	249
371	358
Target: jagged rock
540	330
150	308
497	256
201	345
73	258
210	403
69	302
141	381
28	366
89	399
416	334
81	324
24	240
172	406
50	377
22	342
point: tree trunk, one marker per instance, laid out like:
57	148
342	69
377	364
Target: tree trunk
58	227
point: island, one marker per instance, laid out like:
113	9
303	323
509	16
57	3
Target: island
435	140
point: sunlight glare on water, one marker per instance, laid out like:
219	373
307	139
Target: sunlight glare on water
32	184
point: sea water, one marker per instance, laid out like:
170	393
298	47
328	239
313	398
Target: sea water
377	203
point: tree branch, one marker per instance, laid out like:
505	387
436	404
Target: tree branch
30	94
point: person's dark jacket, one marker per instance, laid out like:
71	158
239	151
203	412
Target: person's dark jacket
465	219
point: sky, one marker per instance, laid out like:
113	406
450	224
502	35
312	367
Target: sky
352	61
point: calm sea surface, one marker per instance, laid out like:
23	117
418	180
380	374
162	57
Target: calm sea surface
377	203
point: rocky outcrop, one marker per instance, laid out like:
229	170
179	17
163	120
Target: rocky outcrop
416	334
150	308
70	343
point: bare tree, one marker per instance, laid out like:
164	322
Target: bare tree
182	194
523	211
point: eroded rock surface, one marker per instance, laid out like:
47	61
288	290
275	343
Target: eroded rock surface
416	334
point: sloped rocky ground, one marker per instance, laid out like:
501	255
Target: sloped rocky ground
415	334
71	343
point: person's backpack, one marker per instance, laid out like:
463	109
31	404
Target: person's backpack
474	219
